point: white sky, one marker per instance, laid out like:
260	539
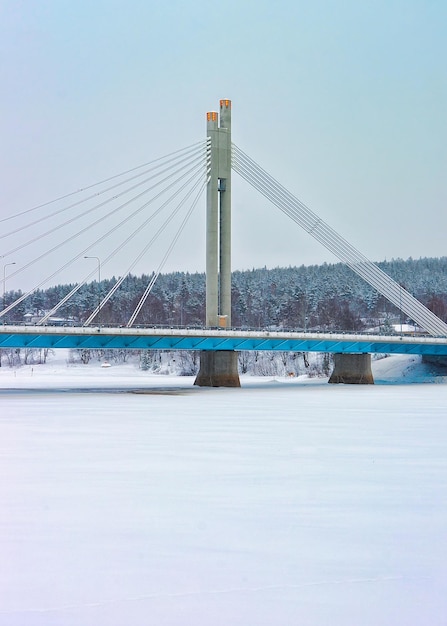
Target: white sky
342	102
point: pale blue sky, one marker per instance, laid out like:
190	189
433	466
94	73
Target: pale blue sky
344	102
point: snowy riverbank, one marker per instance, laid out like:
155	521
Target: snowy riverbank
58	372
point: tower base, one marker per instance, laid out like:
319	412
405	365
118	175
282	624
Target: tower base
218	368
352	369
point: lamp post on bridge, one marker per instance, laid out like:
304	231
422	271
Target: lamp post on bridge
4	282
99	285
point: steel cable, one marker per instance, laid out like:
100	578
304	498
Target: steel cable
106	180
198	165
315	226
197	168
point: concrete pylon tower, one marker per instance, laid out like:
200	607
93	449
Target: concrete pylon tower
218	368
218	219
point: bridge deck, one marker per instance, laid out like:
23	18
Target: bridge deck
214	339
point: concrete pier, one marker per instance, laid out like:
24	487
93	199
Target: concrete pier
218	368
352	369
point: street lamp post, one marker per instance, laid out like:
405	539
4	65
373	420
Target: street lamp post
400	307
4	282
99	285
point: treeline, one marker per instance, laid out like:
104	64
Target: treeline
324	297
178	362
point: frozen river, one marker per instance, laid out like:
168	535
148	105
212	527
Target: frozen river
280	503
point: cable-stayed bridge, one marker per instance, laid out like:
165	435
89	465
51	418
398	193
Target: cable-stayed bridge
144	203
215	340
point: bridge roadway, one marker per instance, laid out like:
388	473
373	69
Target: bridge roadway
215	339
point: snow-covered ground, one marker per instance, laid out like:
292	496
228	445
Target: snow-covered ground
136	499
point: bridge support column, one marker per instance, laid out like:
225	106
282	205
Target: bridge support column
352	369
218	368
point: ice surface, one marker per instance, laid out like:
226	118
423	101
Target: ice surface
285	502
